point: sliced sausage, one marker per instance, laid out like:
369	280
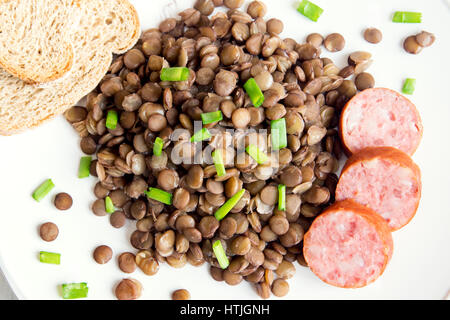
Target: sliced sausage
348	245
380	117
384	179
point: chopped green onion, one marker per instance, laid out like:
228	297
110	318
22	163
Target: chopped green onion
111	119
220	254
281	197
310	10
218	162
74	290
254	92
201	135
409	86
211	117
227	206
158	146
256	154
109	205
85	165
174	74
159	195
49	257
407	17
43	190
278	134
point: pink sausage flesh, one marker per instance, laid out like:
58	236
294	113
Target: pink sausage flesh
348	245
380	117
385	180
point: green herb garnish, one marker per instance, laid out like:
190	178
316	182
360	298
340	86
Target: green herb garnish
409	86
227	206
281	197
111	119
407	17
43	190
159	195
310	10
201	135
174	74
49	257
85	165
218	162
278	134
158	146
74	290
220	254
254	92
256	154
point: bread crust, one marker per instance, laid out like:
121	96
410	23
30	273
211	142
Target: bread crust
45	75
85	83
41	78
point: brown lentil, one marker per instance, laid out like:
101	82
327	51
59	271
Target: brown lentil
280	288
181	294
334	42
146	262
117	219
63	201
364	81
373	35
425	39
102	254
48	231
411	46
127	262
315	39
128	289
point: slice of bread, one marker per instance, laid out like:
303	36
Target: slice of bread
34	38
104	27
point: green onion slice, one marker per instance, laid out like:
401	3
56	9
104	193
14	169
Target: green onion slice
407	17
310	10
278	134
74	290
43	190
49	257
220	254
174	74
227	206
109	205
218	162
256	154
158	146
211	117
159	195
254	92
409	86
201	135
84	169
281	197
111	119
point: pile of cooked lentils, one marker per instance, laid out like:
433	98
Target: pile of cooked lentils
222	50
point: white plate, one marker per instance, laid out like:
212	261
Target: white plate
420	267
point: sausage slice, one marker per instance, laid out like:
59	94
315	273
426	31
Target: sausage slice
348	245
380	117
384	179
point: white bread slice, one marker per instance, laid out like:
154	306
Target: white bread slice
105	27
34	38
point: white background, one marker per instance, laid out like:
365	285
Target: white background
420	267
